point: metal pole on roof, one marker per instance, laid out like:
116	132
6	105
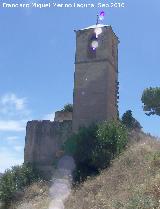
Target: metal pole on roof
97	22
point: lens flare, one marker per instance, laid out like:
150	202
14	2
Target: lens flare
62	181
101	15
98	31
94	44
56	204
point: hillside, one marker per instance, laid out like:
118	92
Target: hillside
132	181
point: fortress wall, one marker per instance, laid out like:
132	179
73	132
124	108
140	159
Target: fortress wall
61	116
43	143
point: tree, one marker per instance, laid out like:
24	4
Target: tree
81	146
15	179
129	121
68	108
112	137
94	147
151	100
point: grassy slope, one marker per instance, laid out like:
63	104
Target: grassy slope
132	182
34	197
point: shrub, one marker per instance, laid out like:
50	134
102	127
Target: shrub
129	121
112	136
81	146
16	179
68	108
94	147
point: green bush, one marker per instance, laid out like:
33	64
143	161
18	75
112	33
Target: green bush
112	136
68	108
16	179
129	121
81	146
94	147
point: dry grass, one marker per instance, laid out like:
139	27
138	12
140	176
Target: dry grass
34	197
132	182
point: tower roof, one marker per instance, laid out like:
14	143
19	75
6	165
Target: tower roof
98	26
95	26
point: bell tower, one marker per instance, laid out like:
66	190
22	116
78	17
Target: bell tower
95	95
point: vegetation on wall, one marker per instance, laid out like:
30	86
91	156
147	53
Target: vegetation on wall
67	108
94	147
151	101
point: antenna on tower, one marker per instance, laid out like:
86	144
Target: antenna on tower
97	21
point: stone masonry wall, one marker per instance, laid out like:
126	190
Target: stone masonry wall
43	143
95	79
61	116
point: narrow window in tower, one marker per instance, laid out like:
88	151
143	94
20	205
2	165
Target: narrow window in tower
92	46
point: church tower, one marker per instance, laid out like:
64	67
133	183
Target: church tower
95	95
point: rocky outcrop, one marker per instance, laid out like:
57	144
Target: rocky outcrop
43	143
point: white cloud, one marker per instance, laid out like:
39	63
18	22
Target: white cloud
12	125
13	112
12	99
13	106
14	115
8	159
49	116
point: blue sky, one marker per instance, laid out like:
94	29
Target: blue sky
37	48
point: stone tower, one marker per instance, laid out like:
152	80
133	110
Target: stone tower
95	96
